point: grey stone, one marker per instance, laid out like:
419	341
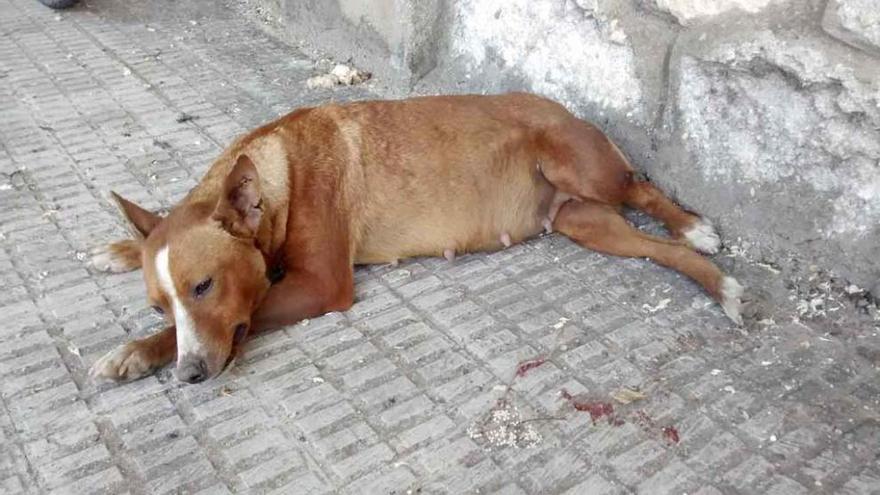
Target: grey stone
783	138
856	22
572	53
395	39
686	11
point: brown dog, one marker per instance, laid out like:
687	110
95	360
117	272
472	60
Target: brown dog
323	189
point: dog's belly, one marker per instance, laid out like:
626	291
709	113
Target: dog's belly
429	186
461	220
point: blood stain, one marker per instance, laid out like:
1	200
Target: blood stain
597	409
671	434
526	366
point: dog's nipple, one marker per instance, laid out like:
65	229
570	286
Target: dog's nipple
505	239
449	254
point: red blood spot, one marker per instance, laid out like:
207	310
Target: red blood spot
597	409
526	366
671	434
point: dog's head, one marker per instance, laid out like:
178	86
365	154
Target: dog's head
204	271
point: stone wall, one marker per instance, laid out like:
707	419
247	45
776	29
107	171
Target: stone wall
762	114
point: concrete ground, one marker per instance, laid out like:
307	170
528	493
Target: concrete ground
443	378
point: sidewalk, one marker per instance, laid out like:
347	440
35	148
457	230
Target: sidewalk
443	378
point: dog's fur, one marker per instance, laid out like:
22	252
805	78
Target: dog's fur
323	189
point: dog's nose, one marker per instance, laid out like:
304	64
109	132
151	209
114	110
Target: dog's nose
192	369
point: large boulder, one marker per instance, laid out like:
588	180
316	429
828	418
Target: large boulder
686	11
782	136
396	39
570	51
856	22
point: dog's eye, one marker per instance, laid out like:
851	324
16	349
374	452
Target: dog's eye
203	287
159	310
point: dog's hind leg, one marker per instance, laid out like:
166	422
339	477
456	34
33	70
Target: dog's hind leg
600	227
117	257
696	231
582	163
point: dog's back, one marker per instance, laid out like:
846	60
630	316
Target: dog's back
421	176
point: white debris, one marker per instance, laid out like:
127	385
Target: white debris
341	75
661	305
503	426
561	323
853	289
323	81
770	268
73	349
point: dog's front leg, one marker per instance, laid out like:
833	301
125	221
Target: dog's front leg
138	358
302	295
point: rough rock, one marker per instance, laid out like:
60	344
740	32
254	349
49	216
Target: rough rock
686	11
573	53
856	22
788	134
395	39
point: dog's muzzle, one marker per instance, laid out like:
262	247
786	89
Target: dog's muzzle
192	369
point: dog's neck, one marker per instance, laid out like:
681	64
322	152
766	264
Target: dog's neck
264	236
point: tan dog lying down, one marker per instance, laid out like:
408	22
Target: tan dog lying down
322	189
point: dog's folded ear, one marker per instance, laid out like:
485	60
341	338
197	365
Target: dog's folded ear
240	207
141	220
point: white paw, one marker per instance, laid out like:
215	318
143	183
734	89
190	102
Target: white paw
731	294
124	363
702	236
106	259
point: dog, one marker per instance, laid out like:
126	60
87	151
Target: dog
271	234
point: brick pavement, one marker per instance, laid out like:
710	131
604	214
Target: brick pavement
414	390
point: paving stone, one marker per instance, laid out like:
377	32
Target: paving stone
378	399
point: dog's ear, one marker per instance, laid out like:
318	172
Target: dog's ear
240	207
141	220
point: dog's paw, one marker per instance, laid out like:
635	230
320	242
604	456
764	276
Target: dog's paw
702	236
118	257
125	363
731	299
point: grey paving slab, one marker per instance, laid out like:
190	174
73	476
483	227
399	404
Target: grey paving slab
414	390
